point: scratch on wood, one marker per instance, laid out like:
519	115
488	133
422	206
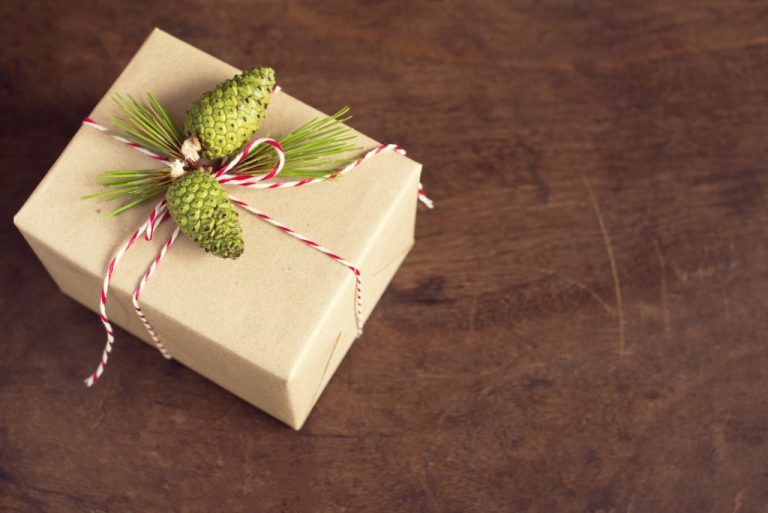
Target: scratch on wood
472	315
612	261
531	158
428	492
726	302
737	501
719	442
583	286
100	415
631	505
232	405
664	303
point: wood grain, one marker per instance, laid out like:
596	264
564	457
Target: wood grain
581	326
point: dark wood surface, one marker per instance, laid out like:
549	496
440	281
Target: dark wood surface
581	326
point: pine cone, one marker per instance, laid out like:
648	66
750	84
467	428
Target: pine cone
227	117
201	208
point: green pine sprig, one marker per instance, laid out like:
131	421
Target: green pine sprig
315	149
137	186
149	125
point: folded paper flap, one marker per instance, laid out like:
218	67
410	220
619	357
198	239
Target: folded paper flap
326	367
395	260
270	326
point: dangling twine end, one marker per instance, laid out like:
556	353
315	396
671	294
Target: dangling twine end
190	148
177	168
424	199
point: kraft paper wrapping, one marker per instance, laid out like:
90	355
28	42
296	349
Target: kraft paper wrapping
271	326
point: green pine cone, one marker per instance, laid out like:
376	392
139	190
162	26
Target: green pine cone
201	208
227	117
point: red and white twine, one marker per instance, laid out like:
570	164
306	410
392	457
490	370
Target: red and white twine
160	213
150	270
143	151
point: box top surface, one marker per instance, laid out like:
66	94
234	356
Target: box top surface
258	305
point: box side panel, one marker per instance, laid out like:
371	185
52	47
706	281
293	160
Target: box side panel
379	265
231	371
226	368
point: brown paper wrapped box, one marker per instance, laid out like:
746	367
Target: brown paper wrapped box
271	326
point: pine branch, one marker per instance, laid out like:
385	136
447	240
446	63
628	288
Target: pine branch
313	150
138	186
149	126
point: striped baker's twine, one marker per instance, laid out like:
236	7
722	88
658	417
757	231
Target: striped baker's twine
244	153
314	245
144	228
257	182
144	151
150	270
160	213
425	200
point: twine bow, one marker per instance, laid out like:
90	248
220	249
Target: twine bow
160	213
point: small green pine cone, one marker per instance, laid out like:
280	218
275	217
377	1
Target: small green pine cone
201	208
227	117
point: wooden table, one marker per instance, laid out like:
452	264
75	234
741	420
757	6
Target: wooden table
581	326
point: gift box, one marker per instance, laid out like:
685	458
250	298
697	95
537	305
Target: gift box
271	326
